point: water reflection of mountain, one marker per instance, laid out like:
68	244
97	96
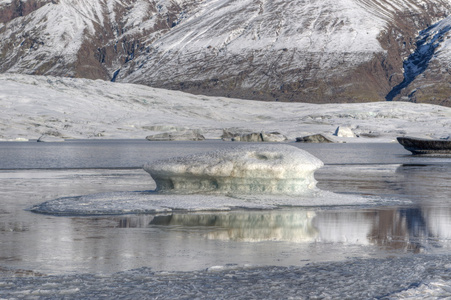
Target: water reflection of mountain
402	229
424	225
428	182
359	179
412	229
165	239
438	222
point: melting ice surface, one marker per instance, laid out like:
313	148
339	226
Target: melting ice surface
252	176
256	169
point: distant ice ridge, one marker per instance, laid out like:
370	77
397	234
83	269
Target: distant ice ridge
255	169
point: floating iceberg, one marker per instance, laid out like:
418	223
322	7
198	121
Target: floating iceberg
251	169
266	176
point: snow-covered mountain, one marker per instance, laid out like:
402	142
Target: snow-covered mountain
81	38
304	50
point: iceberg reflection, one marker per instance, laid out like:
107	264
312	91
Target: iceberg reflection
249	227
286	226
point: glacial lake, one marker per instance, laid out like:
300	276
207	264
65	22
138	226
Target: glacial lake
417	220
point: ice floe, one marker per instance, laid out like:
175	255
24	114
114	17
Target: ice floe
150	202
255	169
243	177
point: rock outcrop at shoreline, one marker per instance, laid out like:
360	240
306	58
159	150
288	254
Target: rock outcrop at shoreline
314	138
272	136
188	135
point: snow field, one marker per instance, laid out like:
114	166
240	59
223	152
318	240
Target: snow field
33	106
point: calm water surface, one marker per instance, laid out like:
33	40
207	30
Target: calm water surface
31	173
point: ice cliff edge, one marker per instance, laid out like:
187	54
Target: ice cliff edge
250	169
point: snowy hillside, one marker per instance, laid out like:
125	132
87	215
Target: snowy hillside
308	51
65	37
33	106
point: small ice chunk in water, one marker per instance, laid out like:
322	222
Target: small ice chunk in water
250	169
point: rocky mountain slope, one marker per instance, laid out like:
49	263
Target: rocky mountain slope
305	50
427	71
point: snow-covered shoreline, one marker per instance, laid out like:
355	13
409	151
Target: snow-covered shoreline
66	108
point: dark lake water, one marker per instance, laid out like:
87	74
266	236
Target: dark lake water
31	173
91	154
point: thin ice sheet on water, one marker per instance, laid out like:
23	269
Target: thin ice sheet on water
152	202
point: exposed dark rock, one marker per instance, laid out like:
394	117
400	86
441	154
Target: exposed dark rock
315	138
418	62
253	136
188	135
20	8
248	137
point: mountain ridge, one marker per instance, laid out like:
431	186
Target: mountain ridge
308	51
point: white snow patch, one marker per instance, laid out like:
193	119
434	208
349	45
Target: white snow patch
137	14
443	53
344	132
